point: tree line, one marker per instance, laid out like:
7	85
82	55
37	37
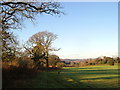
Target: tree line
97	61
39	46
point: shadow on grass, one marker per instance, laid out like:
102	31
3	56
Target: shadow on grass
67	78
109	71
101	78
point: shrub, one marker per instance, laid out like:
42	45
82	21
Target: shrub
110	62
60	64
23	63
93	63
15	71
72	64
104	61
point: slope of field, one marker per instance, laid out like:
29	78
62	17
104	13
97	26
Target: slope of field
104	76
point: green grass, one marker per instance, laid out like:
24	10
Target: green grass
104	76
96	76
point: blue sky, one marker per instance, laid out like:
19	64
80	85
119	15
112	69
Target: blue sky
88	29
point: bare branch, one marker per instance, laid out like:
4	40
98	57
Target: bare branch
20	10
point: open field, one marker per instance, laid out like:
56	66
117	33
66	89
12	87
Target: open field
85	54
104	76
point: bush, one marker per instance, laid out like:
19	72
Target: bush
93	63
72	64
77	65
60	64
110	62
12	73
104	62
23	63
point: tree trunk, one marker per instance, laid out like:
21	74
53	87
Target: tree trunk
47	63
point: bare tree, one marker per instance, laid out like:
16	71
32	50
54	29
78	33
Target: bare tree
42	44
13	13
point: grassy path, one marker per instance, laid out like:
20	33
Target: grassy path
81	77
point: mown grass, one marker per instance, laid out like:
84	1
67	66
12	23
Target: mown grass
104	76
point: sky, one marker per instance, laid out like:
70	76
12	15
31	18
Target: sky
88	30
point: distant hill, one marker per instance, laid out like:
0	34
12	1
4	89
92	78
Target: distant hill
69	60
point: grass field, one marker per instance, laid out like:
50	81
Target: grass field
104	76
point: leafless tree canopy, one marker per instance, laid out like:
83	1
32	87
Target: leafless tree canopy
14	12
44	39
40	44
